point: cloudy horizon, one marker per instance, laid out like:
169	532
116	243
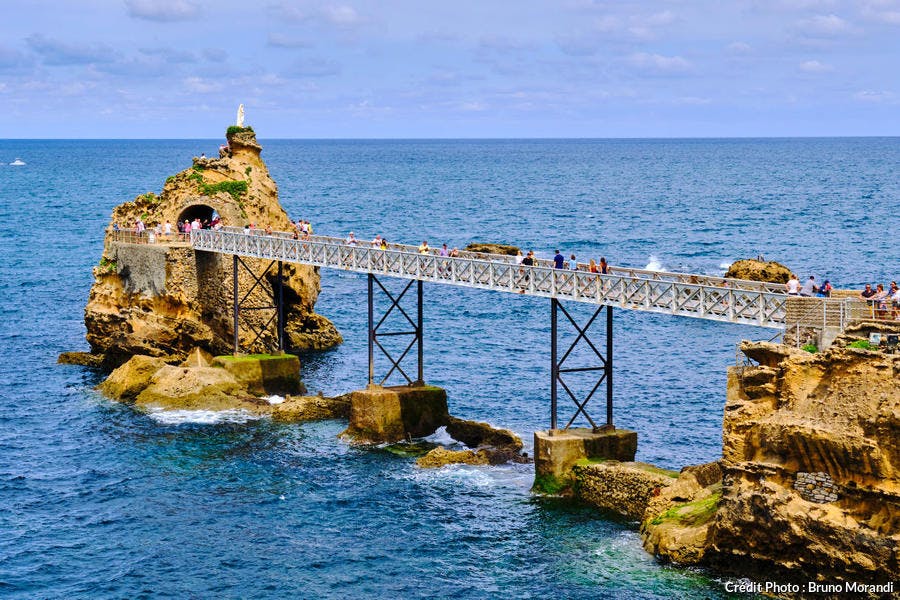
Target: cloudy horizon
401	69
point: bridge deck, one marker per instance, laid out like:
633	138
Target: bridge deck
682	294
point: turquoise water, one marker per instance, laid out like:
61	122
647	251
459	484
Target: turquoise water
99	501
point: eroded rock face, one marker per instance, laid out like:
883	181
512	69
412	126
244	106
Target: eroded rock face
811	465
164	299
757	270
151	384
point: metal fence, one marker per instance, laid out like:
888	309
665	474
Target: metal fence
676	294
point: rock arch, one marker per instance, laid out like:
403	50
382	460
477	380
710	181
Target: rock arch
204	206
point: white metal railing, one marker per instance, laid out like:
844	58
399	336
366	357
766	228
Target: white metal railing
623	288
692	278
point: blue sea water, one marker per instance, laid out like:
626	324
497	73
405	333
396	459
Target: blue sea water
99	501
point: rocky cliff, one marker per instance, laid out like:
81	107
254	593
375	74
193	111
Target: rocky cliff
811	464
810	486
164	299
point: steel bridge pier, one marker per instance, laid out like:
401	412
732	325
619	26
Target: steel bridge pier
414	334
604	366
245	303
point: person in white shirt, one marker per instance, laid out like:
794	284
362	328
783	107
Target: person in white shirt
793	286
351	239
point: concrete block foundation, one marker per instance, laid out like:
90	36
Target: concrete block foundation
392	414
557	451
264	373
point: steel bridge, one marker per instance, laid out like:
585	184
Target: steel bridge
680	294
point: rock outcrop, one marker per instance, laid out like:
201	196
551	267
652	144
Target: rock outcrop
810	486
151	384
487	445
811	465
757	270
163	299
485	248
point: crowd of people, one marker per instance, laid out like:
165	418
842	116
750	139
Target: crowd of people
883	302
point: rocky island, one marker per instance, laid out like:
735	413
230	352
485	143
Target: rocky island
163	299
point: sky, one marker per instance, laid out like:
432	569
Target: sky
457	69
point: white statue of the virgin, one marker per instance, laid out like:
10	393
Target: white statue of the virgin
240	116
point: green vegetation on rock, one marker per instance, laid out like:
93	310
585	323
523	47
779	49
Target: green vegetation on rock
235	129
811	348
862	344
550	485
693	513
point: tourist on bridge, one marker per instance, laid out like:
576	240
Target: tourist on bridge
444	252
793	286
351	239
524	271
376	241
867	293
519	257
559	261
809	288
423	247
573	264
454	253
825	289
604	266
592	266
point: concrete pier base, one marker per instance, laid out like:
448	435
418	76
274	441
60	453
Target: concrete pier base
391	414
557	451
264	373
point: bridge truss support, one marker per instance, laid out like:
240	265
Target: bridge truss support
414	334
558	367
246	302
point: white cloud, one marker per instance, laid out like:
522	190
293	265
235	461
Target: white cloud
739	48
877	97
55	52
826	25
882	11
162	10
474	106
200	85
342	15
658	63
814	66
280	40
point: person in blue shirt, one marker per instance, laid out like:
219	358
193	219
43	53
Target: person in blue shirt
559	260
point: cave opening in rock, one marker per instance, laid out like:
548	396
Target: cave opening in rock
206	214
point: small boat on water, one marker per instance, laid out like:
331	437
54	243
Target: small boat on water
17	163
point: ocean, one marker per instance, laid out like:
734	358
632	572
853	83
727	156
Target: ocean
100	501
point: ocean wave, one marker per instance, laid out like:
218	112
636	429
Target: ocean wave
654	264
202	417
273	399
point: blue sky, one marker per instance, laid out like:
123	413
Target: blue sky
398	69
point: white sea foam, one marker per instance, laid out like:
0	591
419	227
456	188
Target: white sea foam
273	399
654	264
725	265
441	437
202	417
